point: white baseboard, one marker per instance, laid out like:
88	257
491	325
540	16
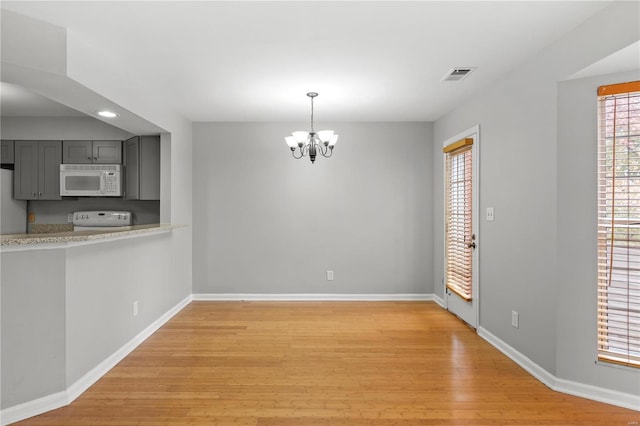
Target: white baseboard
33	408
531	367
439	300
65	397
608	396
86	381
312	297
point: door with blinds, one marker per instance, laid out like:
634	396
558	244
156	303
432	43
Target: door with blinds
619	223
461	226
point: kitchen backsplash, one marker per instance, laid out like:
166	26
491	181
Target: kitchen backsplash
56	212
45	228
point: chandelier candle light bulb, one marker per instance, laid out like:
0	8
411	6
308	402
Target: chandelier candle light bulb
311	143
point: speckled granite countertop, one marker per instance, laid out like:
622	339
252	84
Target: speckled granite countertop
8	241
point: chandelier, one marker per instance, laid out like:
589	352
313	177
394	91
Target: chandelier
311	143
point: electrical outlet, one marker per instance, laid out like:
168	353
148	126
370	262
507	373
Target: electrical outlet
135	308
515	319
70	218
329	275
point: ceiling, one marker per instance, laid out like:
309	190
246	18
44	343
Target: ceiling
255	61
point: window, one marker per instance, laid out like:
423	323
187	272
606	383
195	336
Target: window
619	223
458	217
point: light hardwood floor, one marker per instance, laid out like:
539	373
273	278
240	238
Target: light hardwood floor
325	363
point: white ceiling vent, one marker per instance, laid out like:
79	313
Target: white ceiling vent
457	74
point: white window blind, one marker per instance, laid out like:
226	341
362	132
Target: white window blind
458	217
619	223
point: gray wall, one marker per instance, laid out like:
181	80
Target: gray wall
576	293
518	177
99	305
33	325
73	311
266	223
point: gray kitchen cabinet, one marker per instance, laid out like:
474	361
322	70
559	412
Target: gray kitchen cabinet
142	168
88	152
25	175
132	168
107	152
37	170
49	160
7	152
77	152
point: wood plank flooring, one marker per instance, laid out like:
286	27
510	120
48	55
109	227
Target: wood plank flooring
325	363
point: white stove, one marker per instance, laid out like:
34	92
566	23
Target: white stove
102	220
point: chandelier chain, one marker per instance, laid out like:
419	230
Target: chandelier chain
312	131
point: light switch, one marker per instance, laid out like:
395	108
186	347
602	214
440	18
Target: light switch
490	214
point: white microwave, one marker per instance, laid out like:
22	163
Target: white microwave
91	180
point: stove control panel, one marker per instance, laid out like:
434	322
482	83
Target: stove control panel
102	218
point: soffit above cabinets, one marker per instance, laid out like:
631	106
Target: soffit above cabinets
16	101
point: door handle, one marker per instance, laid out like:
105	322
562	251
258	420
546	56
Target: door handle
472	244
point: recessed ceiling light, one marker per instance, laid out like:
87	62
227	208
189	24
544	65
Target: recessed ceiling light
107	114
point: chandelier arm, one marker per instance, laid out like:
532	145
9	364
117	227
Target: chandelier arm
293	152
328	150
